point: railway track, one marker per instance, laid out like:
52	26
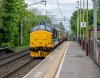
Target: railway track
7	75
7	55
12	57
15	62
23	70
18	65
8	62
12	65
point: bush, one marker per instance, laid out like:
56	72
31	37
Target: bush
8	44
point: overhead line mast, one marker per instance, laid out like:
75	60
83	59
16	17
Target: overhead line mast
59	8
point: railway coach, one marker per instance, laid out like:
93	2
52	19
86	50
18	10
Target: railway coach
43	38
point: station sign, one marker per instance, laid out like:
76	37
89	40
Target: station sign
83	24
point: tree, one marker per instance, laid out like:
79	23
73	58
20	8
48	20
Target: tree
98	14
44	19
59	26
1	14
14	11
73	20
74	23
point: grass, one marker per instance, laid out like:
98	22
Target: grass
18	48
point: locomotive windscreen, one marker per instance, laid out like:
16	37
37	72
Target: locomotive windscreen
42	27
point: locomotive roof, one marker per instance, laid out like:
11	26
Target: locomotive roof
46	25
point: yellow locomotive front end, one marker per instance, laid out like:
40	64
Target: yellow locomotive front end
40	42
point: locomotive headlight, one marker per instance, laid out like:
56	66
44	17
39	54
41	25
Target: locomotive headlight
45	45
32	43
49	43
40	42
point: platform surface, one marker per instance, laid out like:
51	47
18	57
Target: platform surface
47	68
76	64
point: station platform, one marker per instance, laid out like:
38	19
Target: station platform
67	61
77	65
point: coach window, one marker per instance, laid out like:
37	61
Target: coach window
42	27
56	33
53	33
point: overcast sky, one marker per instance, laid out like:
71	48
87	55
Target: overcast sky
67	7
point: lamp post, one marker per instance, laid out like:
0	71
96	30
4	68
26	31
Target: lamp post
95	22
78	27
83	29
80	22
21	39
87	22
83	21
87	38
83	10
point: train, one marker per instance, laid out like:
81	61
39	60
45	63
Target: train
43	38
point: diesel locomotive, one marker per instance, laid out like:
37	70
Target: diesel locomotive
43	38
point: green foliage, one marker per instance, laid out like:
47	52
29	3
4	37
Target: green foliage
19	48
44	19
1	13
90	18
73	20
12	12
7	44
59	26
30	23
11	19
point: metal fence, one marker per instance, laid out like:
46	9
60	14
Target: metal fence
95	54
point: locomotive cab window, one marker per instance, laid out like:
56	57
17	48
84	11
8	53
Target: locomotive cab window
35	28
48	28
42	27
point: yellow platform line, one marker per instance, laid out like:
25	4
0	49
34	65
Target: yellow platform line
54	66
